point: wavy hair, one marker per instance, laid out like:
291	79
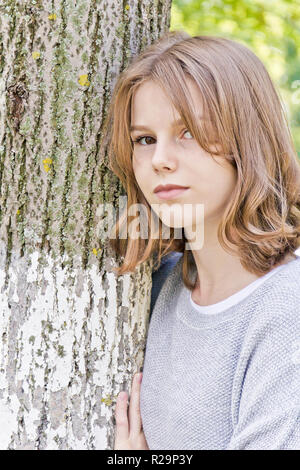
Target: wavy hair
262	219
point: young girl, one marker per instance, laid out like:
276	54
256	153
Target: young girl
222	362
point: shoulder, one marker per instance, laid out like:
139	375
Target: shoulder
269	353
273	328
281	296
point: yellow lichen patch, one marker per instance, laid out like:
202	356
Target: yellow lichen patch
18	211
47	162
52	16
36	55
83	80
95	251
127	7
108	401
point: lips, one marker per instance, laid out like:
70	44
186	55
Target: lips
168	187
171	193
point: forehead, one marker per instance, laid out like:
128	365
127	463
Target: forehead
150	100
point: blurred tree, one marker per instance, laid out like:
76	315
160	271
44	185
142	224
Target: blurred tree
270	28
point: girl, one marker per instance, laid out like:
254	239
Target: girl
222	362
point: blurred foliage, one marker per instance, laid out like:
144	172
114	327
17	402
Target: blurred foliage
270	28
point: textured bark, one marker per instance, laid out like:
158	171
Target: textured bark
71	332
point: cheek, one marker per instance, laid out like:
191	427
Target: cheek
142	174
137	167
134	164
141	181
138	176
227	183
136	170
232	175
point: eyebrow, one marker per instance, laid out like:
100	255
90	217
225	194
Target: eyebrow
174	124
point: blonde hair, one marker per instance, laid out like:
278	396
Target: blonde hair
262	219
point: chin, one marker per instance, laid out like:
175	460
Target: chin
173	220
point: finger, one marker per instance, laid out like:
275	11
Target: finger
135	420
122	426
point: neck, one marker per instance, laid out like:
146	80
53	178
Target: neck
219	273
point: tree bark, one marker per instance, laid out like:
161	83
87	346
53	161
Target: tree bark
72	333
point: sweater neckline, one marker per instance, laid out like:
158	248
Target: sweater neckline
196	319
218	307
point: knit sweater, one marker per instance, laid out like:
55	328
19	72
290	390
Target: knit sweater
228	380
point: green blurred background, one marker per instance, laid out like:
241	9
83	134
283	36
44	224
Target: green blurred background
270	28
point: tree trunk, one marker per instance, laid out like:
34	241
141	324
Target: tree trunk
72	333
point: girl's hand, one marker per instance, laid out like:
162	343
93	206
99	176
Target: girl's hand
130	436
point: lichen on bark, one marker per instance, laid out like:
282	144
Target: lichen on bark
71	332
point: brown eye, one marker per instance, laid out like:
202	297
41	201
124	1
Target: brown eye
139	139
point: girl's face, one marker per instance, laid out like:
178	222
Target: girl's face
168	154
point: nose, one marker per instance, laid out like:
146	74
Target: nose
165	157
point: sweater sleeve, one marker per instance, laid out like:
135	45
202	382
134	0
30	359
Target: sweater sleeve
267	383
